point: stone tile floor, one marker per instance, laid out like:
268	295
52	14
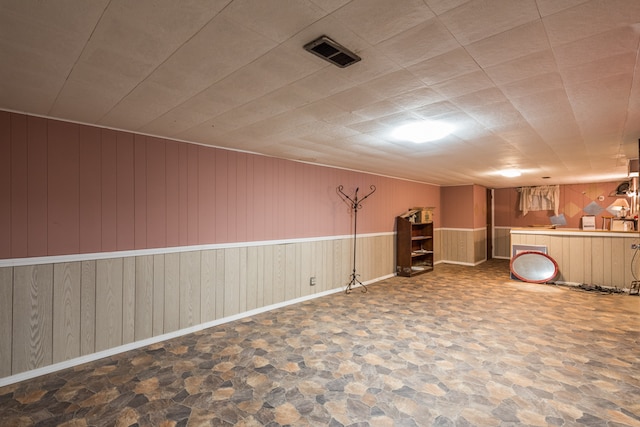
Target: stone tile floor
459	346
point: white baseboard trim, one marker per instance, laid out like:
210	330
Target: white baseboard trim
49	369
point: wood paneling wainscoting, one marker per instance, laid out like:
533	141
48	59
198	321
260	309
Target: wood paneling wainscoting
502	242
61	310
587	257
465	246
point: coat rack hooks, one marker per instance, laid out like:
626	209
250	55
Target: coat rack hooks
355	204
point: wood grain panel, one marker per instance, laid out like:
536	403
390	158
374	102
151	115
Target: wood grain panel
207	194
173	193
191	190
144	302
189	289
279	273
171	292
90	185
305	271
208	286
219	282
242	280
158	294
125	182
156	194
260	267
220	219
597	266
64	199
6	320
618	264
109	182
32	317
140	191
290	279
19	187
5	185
252	278
67	317
88	308
128	299
109	307
267	275
231	281
37	186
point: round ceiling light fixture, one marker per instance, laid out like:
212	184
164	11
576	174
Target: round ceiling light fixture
423	131
510	173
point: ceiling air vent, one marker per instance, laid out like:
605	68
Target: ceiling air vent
331	51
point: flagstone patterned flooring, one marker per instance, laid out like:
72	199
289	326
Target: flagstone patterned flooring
459	346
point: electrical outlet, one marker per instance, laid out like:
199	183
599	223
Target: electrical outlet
312	281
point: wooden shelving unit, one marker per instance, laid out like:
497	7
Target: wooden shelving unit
414	247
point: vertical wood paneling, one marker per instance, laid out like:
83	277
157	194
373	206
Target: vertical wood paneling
109	306
37	187
231	198
125	192
32	317
140	191
243	215
66	311
597	266
90	219
260	266
109	181
252	278
172	294
173	193
64	193
242	280
6	320
189	289
267	275
290	279
19	189
208	286
191	189
144	302
184	195
279	271
88	308
231	281
5	185
305	272
219	283
207	214
221	182
618	264
158	294
128	299
156	194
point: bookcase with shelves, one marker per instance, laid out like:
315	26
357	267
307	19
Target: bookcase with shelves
414	247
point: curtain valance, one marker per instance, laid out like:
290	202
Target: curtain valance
540	198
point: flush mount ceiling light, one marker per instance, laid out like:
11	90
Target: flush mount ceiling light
423	131
331	51
510	173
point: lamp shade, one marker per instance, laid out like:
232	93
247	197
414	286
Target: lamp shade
620	204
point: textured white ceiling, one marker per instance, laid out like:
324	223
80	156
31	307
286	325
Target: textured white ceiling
548	86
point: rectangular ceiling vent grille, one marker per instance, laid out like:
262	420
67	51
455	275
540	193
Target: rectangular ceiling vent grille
331	51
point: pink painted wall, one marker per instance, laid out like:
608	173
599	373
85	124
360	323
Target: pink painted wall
68	188
457	206
573	199
479	206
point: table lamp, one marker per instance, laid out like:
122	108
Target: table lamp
621	206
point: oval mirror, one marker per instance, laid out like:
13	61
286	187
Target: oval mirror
534	267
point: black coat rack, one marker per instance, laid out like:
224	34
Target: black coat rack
355	204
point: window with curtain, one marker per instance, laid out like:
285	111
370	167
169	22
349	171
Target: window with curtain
541	198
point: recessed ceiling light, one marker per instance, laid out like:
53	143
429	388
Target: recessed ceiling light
510	173
423	131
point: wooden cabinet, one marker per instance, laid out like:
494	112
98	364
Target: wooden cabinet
414	247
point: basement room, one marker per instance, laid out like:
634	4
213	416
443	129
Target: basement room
319	213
